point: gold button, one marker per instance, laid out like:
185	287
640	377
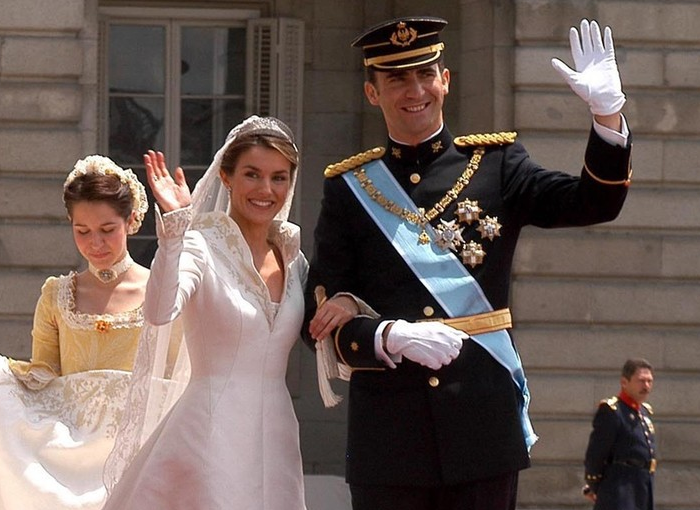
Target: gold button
354	346
428	311
434	382
415	178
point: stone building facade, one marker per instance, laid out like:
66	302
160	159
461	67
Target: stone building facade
583	300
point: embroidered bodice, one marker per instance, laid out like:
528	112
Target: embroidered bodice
66	341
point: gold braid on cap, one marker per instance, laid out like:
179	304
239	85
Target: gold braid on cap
354	162
502	138
102	165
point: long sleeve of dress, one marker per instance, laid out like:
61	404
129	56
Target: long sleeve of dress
46	356
45	329
177	267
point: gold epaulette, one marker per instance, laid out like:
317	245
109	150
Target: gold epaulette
610	402
354	161
649	408
482	139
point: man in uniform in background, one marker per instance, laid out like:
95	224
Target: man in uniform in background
419	236
621	454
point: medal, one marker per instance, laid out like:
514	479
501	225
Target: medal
489	227
449	235
423	217
468	211
472	254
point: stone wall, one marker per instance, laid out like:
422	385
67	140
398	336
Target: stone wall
47	85
586	300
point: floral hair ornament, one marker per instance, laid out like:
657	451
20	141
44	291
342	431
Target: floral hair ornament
102	165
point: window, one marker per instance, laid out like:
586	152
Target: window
177	80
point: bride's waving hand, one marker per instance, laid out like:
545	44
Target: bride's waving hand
171	192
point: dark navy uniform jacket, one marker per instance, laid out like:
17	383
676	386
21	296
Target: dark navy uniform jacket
412	425
621	453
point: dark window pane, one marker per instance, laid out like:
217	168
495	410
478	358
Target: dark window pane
142	249
148	227
135	125
213	61
192	175
136	59
235	75
205	124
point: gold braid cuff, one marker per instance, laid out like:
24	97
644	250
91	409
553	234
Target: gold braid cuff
621	182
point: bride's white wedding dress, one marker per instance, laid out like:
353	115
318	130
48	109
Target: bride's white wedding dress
232	440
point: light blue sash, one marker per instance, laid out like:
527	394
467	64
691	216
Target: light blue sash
445	277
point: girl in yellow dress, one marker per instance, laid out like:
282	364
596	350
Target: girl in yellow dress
59	412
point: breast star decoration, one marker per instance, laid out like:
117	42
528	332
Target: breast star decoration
489	227
468	211
472	254
449	233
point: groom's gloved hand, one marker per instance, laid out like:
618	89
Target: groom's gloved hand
596	79
431	344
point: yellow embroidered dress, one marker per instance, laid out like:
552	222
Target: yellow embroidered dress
59	412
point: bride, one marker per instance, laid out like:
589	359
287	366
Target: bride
230	265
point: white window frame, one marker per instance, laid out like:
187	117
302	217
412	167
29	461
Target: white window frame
161	16
282	96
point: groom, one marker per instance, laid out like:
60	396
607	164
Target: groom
422	233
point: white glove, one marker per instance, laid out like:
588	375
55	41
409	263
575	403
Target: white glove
431	344
596	79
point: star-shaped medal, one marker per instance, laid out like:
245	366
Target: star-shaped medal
472	254
468	211
449	235
489	227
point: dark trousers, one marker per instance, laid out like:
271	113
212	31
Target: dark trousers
497	493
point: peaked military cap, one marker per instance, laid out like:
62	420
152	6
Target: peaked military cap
402	43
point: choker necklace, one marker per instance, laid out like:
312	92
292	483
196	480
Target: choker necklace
112	273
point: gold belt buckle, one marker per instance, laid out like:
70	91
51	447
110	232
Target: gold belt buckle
652	466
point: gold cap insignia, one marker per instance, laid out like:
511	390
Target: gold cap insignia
404	35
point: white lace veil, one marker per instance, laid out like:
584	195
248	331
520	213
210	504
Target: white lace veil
161	368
